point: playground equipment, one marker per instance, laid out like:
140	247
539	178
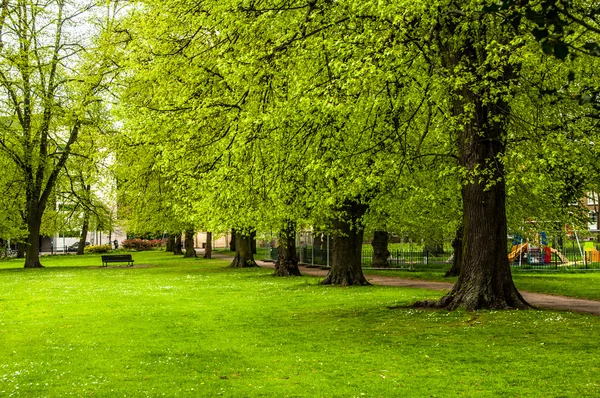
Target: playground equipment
516	251
534	254
538	254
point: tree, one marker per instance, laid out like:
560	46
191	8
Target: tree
244	257
318	112
208	246
50	79
346	268
190	251
380	249
287	257
457	256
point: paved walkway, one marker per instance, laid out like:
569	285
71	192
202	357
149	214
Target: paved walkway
538	300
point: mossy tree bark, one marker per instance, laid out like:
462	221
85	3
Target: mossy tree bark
287	258
380	249
208	245
347	236
190	250
243	252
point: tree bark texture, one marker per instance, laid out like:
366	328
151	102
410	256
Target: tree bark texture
457	256
347	237
177	248
208	246
84	231
232	241
243	252
287	258
380	249
190	251
253	241
170	243
32	251
21	248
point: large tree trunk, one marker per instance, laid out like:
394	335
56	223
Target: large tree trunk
208	246
287	258
177	248
457	256
32	251
485	279
84	231
190	251
232	241
21	248
346	267
253	241
243	252
380	249
170	243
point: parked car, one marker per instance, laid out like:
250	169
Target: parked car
75	246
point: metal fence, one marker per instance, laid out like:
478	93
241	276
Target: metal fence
570	258
398	259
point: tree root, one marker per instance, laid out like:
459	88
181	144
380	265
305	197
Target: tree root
239	262
345	280
287	268
473	302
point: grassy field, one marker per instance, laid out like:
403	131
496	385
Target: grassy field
570	284
191	327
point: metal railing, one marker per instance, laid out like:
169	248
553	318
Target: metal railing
424	260
398	259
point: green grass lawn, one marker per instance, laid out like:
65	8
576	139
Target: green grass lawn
570	284
191	327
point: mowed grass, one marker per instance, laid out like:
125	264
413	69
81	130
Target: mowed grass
191	327
577	284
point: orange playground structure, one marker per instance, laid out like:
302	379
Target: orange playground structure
534	254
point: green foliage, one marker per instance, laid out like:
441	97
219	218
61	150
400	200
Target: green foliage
204	330
291	111
91	249
52	81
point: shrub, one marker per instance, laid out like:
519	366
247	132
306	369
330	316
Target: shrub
158	242
136	244
97	249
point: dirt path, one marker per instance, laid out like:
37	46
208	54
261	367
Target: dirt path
538	300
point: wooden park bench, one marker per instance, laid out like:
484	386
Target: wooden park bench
117	258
